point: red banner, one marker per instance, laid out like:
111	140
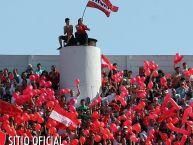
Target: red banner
2	138
7	108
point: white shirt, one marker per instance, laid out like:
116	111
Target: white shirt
12	89
109	98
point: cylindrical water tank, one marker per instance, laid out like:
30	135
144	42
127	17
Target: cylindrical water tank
83	62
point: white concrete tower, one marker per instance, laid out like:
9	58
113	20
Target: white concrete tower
83	62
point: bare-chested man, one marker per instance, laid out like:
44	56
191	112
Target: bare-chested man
176	77
68	36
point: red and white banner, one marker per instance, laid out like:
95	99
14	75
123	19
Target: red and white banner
111	7
62	116
2	138
99	4
105	63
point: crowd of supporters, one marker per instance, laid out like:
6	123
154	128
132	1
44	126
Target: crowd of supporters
149	109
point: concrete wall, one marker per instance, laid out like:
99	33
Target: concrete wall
21	61
131	62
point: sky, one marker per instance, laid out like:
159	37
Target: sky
140	27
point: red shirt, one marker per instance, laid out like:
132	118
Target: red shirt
3	79
54	77
81	28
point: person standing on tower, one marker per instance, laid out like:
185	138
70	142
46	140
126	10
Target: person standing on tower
68	36
81	35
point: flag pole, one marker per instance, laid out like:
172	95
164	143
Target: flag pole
84	11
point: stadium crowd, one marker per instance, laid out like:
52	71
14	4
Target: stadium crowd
150	109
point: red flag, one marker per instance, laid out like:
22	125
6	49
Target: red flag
7	108
2	138
99	4
111	7
64	117
106	63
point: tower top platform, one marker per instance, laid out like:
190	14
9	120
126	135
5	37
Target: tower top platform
92	42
